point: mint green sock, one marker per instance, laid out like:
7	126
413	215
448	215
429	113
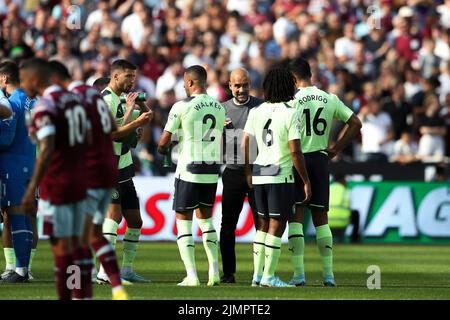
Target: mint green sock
258	254
324	239
209	236
186	246
296	247
130	244
110	231
10	258
272	255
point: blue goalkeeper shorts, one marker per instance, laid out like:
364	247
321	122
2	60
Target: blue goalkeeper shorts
12	190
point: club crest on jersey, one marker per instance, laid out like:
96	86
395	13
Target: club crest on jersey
119	111
115	195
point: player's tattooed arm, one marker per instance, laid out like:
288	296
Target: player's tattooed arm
46	148
143	106
353	128
299	163
165	142
130	103
5	112
123	131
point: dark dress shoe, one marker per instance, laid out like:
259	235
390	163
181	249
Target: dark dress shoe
227	278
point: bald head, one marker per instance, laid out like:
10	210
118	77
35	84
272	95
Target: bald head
240	84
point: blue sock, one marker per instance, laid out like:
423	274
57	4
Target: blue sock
30	236
21	234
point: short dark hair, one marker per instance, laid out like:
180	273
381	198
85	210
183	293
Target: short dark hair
300	68
122	65
38	66
11	70
103	81
197	72
279	85
59	69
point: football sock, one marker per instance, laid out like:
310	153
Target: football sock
10	258
130	244
272	255
33	253
209	236
110	231
82	257
325	243
186	246
107	257
29	240
258	253
21	237
296	247
61	275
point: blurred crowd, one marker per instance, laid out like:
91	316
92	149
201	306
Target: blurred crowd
389	60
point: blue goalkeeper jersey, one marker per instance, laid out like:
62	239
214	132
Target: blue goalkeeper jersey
17	152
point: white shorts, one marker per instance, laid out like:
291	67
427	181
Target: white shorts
97	203
67	220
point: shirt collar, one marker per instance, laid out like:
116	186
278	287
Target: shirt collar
74	84
51	89
241	104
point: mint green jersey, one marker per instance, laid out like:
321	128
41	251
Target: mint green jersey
317	110
273	125
118	110
198	123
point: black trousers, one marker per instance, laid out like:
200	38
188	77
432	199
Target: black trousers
339	234
235	189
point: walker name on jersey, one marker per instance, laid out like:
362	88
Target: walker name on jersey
211	104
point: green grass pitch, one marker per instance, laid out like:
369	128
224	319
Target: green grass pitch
407	272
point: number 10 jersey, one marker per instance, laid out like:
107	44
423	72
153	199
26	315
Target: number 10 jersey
60	113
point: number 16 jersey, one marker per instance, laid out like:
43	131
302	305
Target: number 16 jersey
198	121
317	109
60	113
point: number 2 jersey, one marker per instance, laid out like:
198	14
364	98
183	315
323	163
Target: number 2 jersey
201	120
100	160
60	113
317	110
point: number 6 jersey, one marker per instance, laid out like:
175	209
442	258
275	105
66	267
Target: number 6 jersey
60	113
273	125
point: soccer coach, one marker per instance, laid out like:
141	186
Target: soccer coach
235	186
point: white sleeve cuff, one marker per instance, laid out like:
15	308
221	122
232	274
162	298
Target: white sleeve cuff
45	132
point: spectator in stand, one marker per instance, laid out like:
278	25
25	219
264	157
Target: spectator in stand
377	133
428	61
72	63
445	114
172	79
398	109
432	128
405	149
